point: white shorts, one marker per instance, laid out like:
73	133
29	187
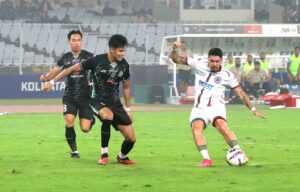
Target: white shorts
208	114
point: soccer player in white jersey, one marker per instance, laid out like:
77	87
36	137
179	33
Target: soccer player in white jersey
210	83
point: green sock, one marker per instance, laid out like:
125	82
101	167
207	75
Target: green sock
202	147
233	143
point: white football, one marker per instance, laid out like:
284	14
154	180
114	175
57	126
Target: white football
236	157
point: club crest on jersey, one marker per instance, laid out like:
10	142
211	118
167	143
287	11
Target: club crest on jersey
218	80
205	85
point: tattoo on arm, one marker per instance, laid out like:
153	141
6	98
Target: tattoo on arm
244	97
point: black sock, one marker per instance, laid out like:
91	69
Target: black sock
71	138
105	133
126	147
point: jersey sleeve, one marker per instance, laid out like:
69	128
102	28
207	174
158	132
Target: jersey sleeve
194	61
232	81
126	75
60	63
89	64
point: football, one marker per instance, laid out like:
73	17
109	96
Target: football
236	157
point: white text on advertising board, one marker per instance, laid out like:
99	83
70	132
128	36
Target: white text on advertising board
38	86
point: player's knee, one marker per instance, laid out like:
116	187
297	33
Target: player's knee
197	127
69	123
85	126
107	116
85	129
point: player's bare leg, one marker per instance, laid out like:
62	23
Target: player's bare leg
228	135
127	145
200	142
106	116
71	135
86	124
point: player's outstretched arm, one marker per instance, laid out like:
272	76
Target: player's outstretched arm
175	55
49	76
245	98
75	68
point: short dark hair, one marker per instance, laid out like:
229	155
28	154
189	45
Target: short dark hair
117	41
297	47
215	52
257	63
74	32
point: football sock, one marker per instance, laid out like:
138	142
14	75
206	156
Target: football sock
71	138
104	150
234	144
203	151
126	148
105	133
122	156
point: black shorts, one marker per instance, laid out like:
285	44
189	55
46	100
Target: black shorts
72	106
120	115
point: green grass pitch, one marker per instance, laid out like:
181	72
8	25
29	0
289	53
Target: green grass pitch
34	155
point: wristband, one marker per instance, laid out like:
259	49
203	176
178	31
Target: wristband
253	109
127	109
52	82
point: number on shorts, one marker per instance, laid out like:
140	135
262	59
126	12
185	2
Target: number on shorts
65	108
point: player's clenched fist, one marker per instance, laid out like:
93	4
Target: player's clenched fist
48	85
43	78
177	44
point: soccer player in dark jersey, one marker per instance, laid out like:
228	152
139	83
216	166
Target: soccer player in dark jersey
108	71
76	97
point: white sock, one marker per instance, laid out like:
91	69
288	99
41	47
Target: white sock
204	153
122	156
104	150
75	152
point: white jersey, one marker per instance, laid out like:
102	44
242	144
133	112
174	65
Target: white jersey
210	86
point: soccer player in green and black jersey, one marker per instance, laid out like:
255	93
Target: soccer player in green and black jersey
108	71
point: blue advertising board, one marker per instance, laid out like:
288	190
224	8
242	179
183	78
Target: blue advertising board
27	86
30	86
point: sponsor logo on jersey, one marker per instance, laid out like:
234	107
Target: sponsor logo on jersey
205	85
120	74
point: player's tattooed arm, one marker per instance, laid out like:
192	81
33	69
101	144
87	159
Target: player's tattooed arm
245	98
175	55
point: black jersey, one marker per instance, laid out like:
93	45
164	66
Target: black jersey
107	76
78	84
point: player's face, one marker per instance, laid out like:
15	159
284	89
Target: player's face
214	63
75	42
118	53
